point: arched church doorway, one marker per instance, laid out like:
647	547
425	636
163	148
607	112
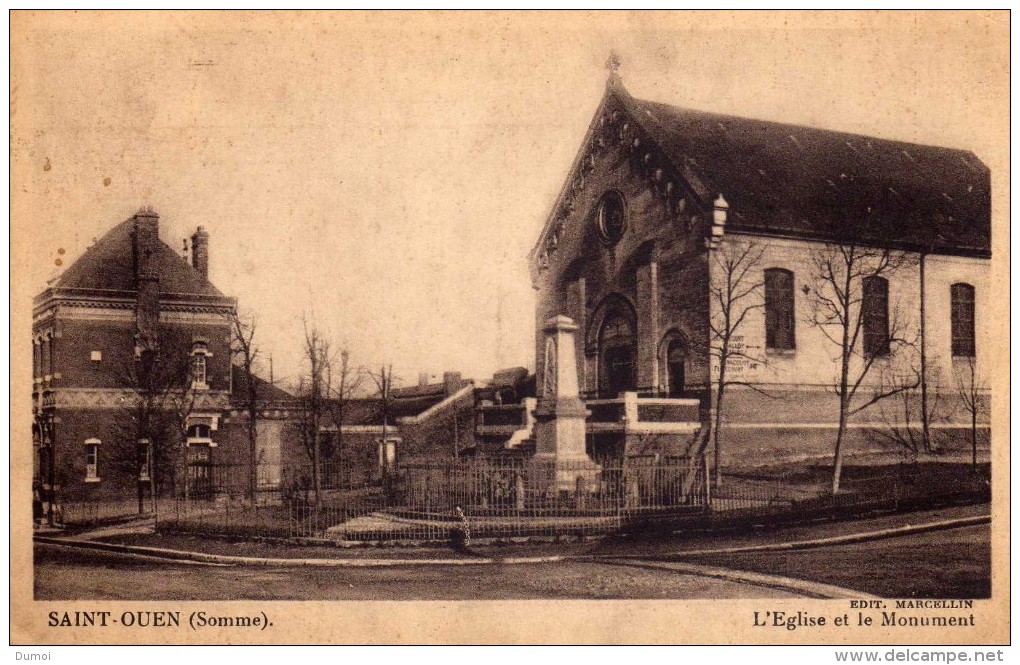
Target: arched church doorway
618	355
676	358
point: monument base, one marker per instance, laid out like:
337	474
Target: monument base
576	476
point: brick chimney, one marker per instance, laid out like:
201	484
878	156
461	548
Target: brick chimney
145	237
200	251
452	382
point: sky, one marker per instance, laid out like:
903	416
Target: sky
384	176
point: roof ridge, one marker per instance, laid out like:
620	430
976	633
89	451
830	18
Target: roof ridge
108	264
800	126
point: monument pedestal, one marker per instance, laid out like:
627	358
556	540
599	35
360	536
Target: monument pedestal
560	416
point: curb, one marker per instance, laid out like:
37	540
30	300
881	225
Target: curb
163	554
802	587
849	539
180	556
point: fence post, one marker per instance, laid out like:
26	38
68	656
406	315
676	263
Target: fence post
633	492
518	490
707	480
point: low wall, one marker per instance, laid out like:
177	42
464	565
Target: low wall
750	446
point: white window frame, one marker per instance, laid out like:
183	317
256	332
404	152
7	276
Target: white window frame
92	452
144	473
200	357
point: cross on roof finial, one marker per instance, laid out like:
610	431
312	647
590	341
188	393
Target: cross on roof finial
613	65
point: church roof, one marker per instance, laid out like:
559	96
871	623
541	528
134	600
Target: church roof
800	181
109	265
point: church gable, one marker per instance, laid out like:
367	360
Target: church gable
778	179
623	197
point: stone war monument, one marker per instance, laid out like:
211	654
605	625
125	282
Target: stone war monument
560	414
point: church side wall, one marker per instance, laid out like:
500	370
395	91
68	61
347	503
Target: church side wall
798	417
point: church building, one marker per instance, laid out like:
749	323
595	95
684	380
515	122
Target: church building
694	249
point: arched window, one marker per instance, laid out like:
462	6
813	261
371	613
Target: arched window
199	375
199	370
875	316
779	328
92	460
199	431
962	323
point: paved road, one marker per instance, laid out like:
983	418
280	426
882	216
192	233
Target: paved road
956	563
953	563
63	574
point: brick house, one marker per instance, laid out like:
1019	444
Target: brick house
657	204
131	348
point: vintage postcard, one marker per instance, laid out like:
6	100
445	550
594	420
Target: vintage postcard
509	328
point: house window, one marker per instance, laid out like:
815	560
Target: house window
92	460
144	460
198	370
199	356
779	329
199	433
962	306
875	316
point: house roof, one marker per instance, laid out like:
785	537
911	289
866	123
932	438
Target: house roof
265	391
792	180
109	265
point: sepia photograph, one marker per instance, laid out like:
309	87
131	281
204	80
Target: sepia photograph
502	316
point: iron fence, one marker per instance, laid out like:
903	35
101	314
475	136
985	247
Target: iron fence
95	511
476	497
514	498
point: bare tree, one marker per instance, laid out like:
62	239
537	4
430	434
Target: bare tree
383	380
907	417
245	352
839	272
971	388
737	292
314	393
153	434
342	384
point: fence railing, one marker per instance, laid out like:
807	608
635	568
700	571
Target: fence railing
490	497
507	498
90	512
